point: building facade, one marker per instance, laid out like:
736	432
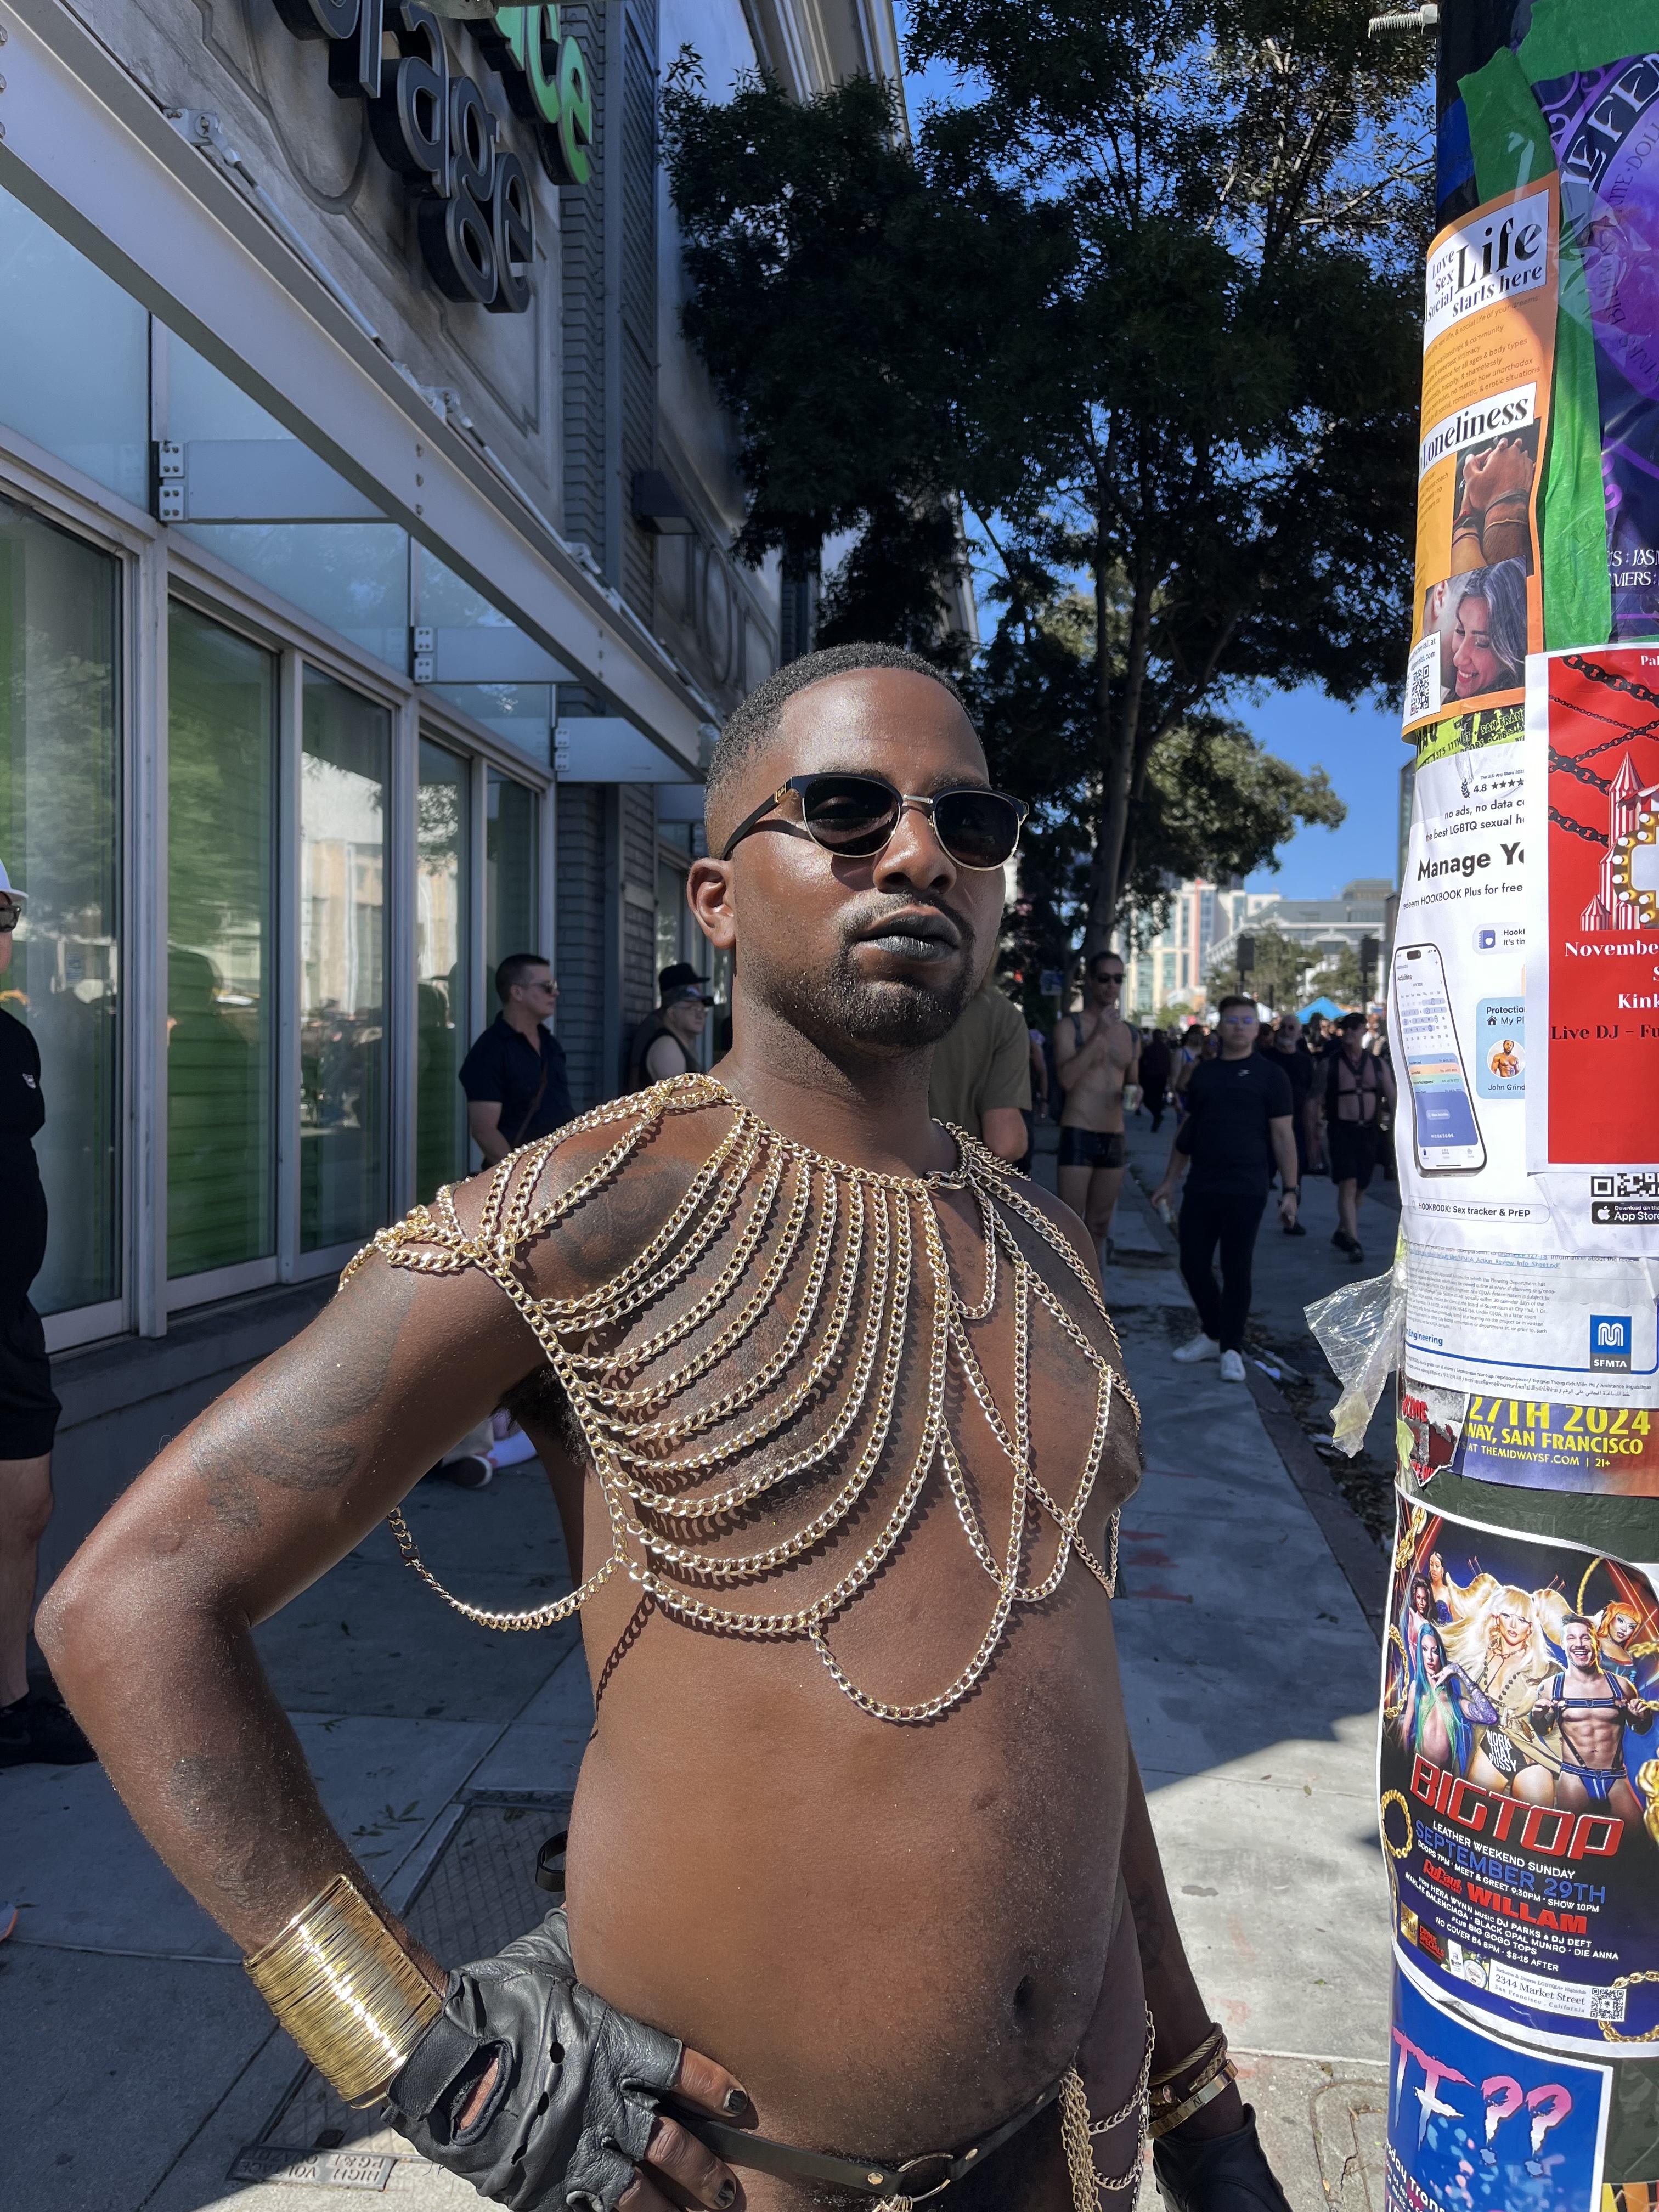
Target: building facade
365	614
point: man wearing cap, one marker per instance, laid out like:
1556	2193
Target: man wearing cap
515	1076
32	1727
662	1046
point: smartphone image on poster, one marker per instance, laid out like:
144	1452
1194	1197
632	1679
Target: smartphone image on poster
1445	1130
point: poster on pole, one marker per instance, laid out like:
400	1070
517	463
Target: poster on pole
1592	751
1457	1009
1519	1781
1538	1324
1488	346
1479	2125
1527	1443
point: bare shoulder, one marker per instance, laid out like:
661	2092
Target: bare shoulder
1071	1227
572	1209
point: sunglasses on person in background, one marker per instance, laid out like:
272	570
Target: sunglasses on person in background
855	817
10	915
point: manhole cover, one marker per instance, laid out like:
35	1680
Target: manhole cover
480	1893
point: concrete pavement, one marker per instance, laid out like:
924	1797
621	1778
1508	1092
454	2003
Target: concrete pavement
143	2074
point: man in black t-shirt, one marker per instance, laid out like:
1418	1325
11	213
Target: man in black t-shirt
1237	1129
515	1076
33	1727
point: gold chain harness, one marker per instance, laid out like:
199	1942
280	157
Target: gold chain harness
834	1224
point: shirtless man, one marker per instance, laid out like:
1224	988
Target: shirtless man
870	1851
1592	1709
1096	1054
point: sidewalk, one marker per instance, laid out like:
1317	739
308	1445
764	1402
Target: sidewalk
144	2074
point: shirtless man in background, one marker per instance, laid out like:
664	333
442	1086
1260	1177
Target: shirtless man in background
1096	1054
870	1850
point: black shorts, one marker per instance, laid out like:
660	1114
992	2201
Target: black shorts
1352	1147
28	1406
1091	1148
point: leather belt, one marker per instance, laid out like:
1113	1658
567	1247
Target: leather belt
869	2176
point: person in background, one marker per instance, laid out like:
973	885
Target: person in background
1039	1072
515	1076
982	1076
1236	1131
1155	1061
663	1044
33	1727
1095	1056
1376	1043
1315	1159
1357	1086
1187	1058
516	1090
1293	1056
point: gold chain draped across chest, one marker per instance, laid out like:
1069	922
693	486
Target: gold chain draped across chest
808	1287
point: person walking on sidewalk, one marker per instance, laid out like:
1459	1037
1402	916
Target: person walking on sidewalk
783	1399
1095	1058
515	1076
1236	1132
1155	1061
1293	1056
1358	1087
33	1727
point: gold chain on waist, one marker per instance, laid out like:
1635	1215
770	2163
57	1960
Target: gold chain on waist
868	1253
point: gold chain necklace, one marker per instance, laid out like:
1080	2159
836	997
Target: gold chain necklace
863	1245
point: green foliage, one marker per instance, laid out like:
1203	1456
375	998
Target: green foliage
1149	303
1279	973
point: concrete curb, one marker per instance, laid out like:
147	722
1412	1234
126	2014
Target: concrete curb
1364	1567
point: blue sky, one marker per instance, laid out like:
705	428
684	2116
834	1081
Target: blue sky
1359	748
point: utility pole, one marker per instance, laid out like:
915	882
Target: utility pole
1521	1692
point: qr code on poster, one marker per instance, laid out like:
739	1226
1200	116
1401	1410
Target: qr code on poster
1607	2004
1629	1182
1423	679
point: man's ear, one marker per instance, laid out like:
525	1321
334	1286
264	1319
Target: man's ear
709	894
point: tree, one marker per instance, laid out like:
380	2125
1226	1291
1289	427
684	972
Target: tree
1149	304
1278	975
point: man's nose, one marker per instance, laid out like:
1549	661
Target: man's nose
914	855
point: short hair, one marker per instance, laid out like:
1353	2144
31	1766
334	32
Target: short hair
752	725
1351	1021
1577	1621
1235	999
1104	953
513	970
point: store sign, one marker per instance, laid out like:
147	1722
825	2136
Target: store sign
475	214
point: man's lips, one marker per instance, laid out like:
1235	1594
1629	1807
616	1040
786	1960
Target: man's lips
913	933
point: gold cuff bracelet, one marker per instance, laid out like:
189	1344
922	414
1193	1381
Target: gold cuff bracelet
346	1990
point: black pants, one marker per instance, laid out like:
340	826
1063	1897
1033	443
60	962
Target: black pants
1224	1217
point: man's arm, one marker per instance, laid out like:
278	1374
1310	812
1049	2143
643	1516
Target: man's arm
484	1118
148	1630
1073	1060
1180	1161
1281	1129
1002	1131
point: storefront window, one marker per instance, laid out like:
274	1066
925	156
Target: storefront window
441	964
351	576
60	838
345	752
512	922
220	1003
75	367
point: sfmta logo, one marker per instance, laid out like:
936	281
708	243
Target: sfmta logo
1610	1341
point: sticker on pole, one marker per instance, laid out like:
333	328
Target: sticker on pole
1592	749
1479	2125
1488	347
1519	1780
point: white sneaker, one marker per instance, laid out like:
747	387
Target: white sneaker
1233	1367
1201	1347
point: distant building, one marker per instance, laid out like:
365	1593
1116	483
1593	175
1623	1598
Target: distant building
1200	937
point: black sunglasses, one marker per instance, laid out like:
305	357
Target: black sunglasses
855	817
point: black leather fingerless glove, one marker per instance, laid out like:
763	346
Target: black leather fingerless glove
572	2107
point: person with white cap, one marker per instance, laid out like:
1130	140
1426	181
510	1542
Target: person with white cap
33	1726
